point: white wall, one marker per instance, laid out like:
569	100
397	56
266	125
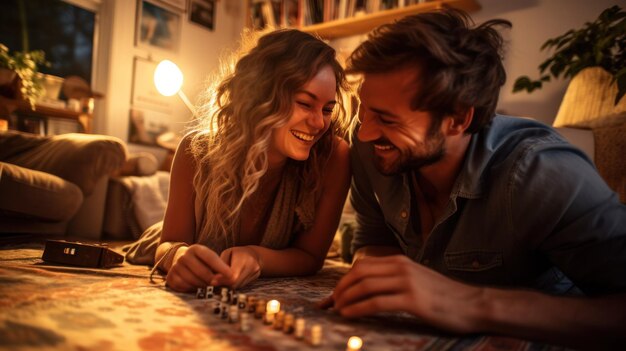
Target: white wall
534	22
197	56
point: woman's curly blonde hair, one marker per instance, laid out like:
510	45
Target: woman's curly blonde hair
232	133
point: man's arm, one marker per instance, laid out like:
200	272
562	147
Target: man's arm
589	323
376	251
389	284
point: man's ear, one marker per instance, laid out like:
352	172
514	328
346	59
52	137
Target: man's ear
459	122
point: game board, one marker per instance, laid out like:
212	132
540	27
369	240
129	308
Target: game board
46	307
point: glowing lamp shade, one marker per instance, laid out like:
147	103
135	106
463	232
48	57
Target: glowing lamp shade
168	78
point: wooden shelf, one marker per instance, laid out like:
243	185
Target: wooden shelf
365	23
8	106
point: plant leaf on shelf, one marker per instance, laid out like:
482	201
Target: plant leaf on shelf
599	43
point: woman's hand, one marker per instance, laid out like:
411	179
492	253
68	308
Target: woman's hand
196	266
245	264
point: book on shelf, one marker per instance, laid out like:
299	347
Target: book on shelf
256	15
302	13
56	126
292	13
32	124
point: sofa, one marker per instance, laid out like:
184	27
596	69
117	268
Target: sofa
56	185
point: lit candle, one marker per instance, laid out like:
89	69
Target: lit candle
316	335
354	343
273	306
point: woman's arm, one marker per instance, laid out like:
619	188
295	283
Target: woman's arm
191	265
179	221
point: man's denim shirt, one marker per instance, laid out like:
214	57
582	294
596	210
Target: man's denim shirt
527	210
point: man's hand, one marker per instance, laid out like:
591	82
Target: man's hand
196	266
395	283
245	265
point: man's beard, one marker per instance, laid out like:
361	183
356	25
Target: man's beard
431	152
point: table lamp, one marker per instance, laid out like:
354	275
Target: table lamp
168	79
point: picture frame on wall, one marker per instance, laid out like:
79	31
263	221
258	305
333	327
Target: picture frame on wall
146	126
179	4
202	13
144	94
151	113
157	27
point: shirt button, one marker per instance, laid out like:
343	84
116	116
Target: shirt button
404	214
475	264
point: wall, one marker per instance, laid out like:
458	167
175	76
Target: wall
198	56
534	21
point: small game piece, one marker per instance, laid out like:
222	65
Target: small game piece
217	307
225	295
233	313
209	292
245	322
259	311
299	330
224	312
288	324
268	318
279	320
251	303
273	306
232	297
354	344
316	335
241	299
200	293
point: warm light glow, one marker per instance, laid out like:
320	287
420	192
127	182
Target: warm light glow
273	306
168	78
354	343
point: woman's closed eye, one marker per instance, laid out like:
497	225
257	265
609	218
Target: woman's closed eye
328	110
304	104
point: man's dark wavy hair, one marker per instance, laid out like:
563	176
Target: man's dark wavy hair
459	64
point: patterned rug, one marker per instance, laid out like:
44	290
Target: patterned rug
48	307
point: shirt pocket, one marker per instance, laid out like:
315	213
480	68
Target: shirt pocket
473	261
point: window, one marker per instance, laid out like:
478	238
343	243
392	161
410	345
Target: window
65	32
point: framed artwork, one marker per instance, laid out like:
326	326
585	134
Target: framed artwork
150	114
202	13
179	4
145	96
157	27
145	126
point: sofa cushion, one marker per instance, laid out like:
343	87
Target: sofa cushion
82	159
33	194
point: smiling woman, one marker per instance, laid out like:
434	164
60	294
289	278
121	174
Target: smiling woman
259	183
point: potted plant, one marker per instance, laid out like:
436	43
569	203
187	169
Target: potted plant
601	43
26	67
